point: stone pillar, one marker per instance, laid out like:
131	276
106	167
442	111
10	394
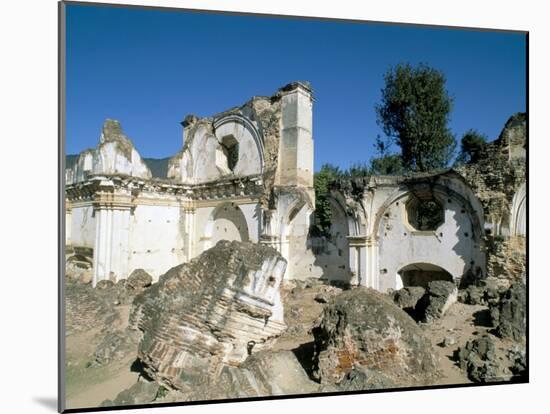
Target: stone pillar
296	148
189	231
112	238
373	271
359	260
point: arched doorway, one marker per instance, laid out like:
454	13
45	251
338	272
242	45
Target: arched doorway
227	222
420	274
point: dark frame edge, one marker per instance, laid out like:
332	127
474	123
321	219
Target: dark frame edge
527	145
61	74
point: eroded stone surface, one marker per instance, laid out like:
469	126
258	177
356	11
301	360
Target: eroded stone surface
138	280
478	359
510	314
209	313
439	296
363	327
408	297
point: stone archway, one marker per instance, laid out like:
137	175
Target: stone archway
227	222
420	274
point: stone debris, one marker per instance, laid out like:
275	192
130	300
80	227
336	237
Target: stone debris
361	379
326	293
510	314
438	298
483	292
478	359
448	341
87	308
408	297
104	284
142	392
363	327
518	357
138	280
263	374
211	312
115	346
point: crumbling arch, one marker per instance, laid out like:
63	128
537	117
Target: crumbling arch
420	274
248	140
355	213
226	222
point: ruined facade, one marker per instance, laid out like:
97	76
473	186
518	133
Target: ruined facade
247	174
462	224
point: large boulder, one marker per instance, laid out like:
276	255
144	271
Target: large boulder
210	312
364	328
408	297
510	314
439	297
478	358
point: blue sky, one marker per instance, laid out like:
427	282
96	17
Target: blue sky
149	68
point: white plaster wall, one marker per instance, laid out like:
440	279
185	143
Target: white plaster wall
302	262
108	159
82	227
156	239
200	241
451	248
203	153
332	255
252	214
226	221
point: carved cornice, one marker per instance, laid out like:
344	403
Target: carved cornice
120	191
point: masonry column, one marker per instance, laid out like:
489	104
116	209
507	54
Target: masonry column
111	249
358	260
373	271
189	229
296	147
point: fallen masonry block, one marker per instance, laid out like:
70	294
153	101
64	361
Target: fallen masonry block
211	312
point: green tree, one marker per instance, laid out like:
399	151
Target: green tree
358	169
321	181
385	162
470	145
414	112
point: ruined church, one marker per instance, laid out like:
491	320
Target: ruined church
247	174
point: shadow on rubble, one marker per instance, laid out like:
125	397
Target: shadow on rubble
304	354
483	318
137	367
